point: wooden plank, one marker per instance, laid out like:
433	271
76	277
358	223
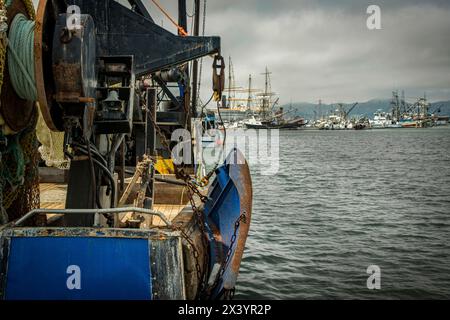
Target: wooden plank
53	195
5	244
166	193
169	211
166	262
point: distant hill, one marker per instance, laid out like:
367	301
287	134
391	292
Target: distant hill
368	108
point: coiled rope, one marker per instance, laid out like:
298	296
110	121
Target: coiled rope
21	61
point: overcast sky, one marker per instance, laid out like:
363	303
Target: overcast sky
323	49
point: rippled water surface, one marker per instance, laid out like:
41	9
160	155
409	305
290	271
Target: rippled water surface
344	200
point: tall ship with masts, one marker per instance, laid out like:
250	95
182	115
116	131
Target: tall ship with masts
266	117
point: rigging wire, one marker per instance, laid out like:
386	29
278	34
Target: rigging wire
201	60
180	29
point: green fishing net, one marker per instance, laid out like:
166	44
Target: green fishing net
19	174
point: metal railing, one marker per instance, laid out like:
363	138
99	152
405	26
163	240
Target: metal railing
92	211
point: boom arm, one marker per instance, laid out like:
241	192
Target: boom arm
121	31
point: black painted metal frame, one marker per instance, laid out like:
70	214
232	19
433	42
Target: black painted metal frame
121	31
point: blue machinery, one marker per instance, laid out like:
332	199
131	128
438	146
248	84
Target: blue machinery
90	84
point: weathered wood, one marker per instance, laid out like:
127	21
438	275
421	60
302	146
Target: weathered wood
4	253
170	211
166	193
186	220
53	195
53	175
167	269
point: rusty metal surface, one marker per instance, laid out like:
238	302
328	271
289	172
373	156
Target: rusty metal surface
156	234
80	212
240	175
45	16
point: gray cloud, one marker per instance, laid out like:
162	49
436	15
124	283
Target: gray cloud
323	50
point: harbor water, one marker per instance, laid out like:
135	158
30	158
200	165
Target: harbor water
345	200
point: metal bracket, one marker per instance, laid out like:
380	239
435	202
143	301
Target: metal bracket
168	93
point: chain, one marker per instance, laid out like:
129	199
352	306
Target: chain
196	253
193	190
242	218
179	172
228	294
201	223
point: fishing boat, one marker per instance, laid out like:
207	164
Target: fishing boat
337	120
276	123
381	120
122	220
384	120
411	115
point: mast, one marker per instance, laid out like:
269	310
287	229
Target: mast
195	63
229	82
249	92
403	106
267	94
320	109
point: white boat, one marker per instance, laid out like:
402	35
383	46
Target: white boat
252	122
383	120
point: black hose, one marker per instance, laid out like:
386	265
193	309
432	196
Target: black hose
92	170
204	106
224	129
93	150
111	179
108	174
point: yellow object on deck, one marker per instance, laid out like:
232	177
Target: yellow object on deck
164	166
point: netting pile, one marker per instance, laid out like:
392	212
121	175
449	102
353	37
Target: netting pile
19	156
52	146
19	174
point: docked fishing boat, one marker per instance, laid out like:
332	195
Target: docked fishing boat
381	120
384	120
337	120
118	216
415	115
275	123
440	120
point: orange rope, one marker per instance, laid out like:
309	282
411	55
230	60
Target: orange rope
181	31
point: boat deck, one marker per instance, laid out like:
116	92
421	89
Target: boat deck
53	196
